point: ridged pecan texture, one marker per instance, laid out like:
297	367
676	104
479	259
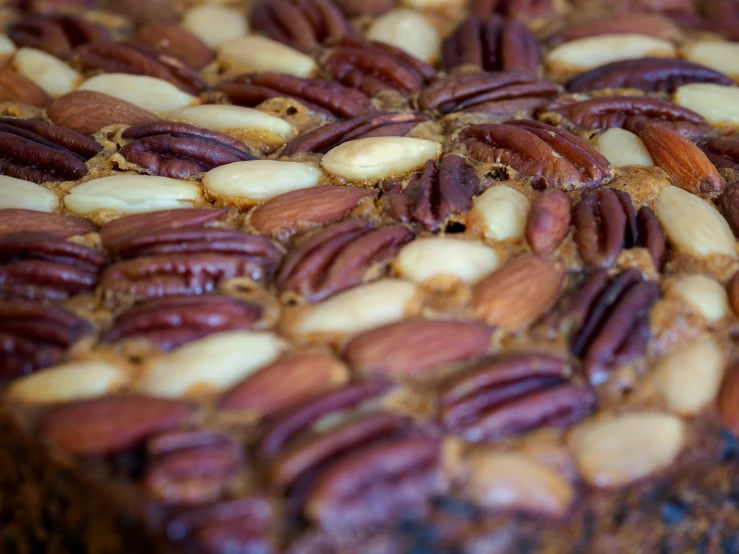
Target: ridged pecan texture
57	34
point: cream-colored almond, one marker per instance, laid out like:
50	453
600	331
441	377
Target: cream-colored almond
54	76
408	30
16	193
374	158
130	194
500	212
704	295
225	118
70	381
502	481
149	93
361	308
587	53
210	364
255	53
719	104
720	55
618	450
621	148
692	224
689	378
436	257
257	180
215	25
6	46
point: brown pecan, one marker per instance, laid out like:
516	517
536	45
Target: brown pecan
144	11
433	195
605	112
609	318
629	23
139	59
339	257
110	424
492	43
721	16
381	124
549	221
373	67
33	336
288	213
303	24
56	33
355	8
728	400
172	149
36	151
41	266
14	87
550	157
522	9
319	95
647	74
502	93
285	383
513	394
730	204
412	347
18	221
171	322
723	153
175	41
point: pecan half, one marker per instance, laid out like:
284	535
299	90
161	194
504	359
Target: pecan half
492	43
511	395
647	74
723	153
441	190
139	59
56	33
609	320
175	41
605	112
382	124
549	221
33	336
19	220
36	151
629	23
339	257
41	266
522	9
319	95
171	322
303	24
721	16
500	93
172	149
15	87
355	8
550	157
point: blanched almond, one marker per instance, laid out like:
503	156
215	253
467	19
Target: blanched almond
720	55
704	295
717	103
374	158
210	364
16	193
621	148
255	53
149	93
51	74
215	25
408	30
6	46
501	212
223	118
129	194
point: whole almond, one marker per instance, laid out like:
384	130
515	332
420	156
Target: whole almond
685	163
520	292
14	87
654	25
549	221
22	220
87	112
175	41
733	287
728	400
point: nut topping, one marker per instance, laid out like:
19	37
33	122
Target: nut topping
24	195
56	34
548	221
175	41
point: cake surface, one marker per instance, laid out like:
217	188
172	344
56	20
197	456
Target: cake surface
377	276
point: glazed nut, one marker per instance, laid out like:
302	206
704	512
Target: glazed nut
14	87
703	295
500	212
548	222
361	308
256	53
210	364
445	259
408	30
587	53
70	381
51	74
432	4
6	46
237	120
129	194
215	25
688	379
692	224
258	180
16	193
87	112
720	55
622	449
503	481
375	158
719	104
148	93
622	148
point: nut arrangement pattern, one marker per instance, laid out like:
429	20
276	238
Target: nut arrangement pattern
299	276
